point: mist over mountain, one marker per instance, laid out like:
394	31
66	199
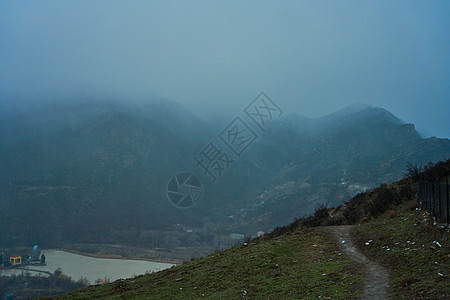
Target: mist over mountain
96	171
330	159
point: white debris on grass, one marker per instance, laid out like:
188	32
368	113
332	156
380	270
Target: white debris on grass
437	243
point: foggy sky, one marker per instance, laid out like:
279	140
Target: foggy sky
312	57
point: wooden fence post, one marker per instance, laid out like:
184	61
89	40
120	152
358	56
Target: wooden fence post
438	198
448	217
433	200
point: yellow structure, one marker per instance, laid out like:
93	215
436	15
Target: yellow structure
15	260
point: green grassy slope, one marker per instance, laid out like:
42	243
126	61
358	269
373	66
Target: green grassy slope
305	264
404	241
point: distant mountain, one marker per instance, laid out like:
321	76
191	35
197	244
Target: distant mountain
82	168
97	171
330	159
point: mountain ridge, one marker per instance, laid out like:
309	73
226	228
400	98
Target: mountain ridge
119	158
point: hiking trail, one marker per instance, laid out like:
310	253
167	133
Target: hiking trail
376	277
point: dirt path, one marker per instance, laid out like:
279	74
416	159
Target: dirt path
376	279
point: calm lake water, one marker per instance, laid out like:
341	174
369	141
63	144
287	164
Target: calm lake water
77	266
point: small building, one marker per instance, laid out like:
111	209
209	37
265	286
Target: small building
15	260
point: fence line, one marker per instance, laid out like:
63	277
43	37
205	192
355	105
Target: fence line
435	197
